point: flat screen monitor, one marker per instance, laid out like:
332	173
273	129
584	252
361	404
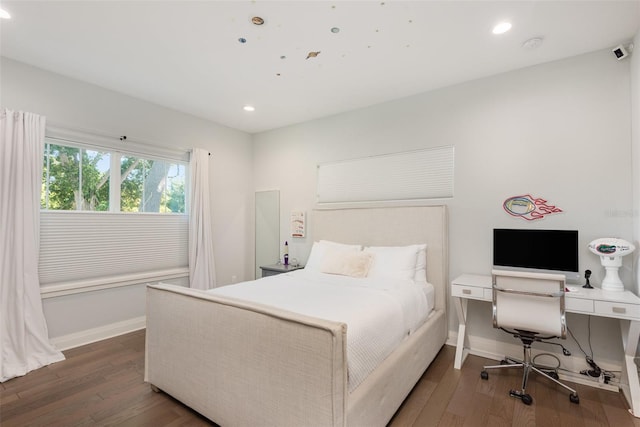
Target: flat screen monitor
550	251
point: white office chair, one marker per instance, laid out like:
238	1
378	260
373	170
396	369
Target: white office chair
529	306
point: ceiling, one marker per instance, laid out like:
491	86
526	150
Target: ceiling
188	56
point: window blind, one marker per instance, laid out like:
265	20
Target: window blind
412	175
79	246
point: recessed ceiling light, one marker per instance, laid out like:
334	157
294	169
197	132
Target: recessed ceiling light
249	108
256	20
4	14
502	28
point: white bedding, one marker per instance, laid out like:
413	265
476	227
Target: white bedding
379	313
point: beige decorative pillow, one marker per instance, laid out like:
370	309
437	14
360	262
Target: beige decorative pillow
322	247
397	262
345	263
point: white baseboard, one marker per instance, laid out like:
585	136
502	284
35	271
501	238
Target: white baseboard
572	365
89	336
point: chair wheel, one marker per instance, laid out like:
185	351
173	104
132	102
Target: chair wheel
484	375
554	375
527	399
504	362
574	398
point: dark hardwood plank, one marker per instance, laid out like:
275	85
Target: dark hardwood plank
502	405
413	404
451	420
102	384
619	416
434	408
546	405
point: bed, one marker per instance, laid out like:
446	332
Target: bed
244	363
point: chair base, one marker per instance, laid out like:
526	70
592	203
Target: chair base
526	398
527	366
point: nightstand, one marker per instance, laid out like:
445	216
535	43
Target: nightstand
272	270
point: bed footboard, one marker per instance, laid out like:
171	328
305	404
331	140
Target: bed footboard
243	364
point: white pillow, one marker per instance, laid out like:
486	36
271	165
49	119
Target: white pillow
396	262
421	264
346	263
319	250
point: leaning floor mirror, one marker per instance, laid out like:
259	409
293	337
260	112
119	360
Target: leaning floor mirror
267	229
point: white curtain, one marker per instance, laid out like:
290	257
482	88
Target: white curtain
202	273
24	340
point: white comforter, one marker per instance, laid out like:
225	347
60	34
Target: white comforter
379	313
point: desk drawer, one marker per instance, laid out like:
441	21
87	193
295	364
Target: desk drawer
463	291
617	309
578	304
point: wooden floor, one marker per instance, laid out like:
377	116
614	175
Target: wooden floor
102	384
448	397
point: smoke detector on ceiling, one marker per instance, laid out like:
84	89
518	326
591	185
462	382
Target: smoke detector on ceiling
532	43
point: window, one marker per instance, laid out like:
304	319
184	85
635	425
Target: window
80	178
113	214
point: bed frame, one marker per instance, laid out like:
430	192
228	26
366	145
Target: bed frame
245	364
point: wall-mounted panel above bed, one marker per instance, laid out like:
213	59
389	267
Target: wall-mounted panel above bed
411	175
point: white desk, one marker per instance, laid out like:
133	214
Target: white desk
593	302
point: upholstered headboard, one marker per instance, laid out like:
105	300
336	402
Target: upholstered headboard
392	226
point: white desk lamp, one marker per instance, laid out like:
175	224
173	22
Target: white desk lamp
611	251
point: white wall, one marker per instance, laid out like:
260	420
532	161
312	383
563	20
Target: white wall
635	138
559	131
74	104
